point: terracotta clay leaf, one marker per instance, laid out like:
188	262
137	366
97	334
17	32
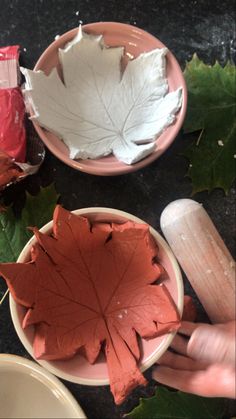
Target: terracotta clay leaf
9	172
87	285
98	110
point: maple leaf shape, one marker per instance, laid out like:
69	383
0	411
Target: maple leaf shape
97	110
211	110
90	284
171	404
13	230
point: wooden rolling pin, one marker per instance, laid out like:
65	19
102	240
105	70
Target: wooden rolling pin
203	256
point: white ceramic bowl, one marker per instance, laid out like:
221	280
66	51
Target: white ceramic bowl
29	391
78	369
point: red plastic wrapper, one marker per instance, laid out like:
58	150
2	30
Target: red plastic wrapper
12	108
11	52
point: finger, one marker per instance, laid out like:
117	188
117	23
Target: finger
229	327
183	380
187	328
180	362
179	344
212	344
202	383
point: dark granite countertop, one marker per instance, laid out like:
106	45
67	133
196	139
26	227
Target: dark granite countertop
185	26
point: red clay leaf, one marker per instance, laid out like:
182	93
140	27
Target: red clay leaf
92	284
9	172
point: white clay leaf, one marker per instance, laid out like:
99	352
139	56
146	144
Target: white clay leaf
98	110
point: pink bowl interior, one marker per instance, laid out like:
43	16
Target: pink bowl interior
78	369
135	42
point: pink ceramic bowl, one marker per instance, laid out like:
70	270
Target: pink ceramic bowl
135	41
77	369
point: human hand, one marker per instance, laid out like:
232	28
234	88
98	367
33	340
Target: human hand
204	362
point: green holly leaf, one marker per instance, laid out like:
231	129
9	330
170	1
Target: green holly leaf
177	405
211	110
14	234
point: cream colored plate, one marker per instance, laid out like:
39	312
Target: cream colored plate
29	391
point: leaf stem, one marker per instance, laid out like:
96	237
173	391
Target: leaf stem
199	138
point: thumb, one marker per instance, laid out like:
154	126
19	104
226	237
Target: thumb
212	344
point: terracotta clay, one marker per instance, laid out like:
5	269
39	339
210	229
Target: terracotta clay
88	285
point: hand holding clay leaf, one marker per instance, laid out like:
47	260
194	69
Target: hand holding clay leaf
97	110
90	284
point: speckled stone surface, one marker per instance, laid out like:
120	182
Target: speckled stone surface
185	26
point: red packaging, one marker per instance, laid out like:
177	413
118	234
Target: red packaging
12	108
7	53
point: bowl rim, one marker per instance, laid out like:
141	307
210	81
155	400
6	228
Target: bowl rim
122	168
24	365
165	342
